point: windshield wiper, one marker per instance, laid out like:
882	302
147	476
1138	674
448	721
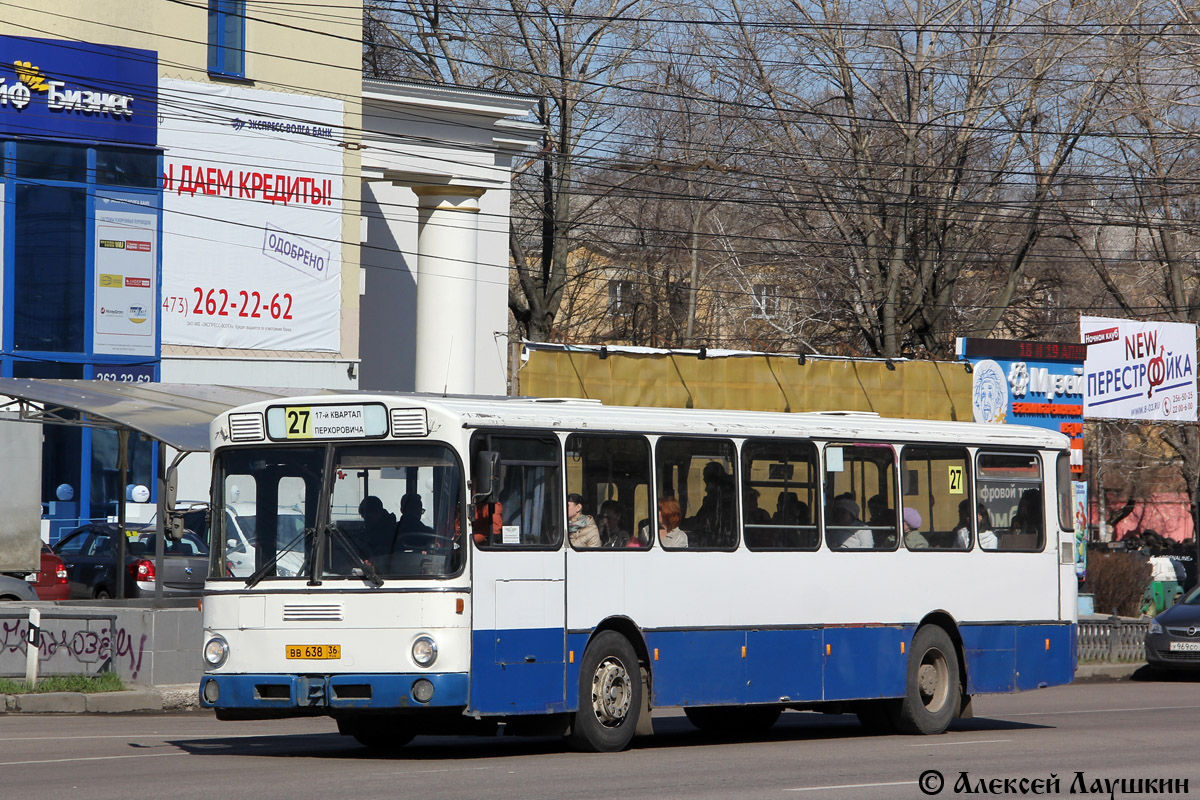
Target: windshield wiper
266	568
368	569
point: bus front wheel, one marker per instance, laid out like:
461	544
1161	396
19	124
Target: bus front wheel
382	735
610	695
931	685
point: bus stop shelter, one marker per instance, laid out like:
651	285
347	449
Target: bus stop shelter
173	415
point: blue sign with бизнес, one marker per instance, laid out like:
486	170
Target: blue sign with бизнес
78	90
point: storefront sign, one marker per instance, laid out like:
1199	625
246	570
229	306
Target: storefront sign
252	224
1139	370
78	90
126	269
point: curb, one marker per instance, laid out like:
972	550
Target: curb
1107	672
182	697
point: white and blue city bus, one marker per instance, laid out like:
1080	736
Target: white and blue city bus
411	569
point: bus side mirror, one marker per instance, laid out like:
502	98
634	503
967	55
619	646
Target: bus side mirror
174	528
487	474
171	485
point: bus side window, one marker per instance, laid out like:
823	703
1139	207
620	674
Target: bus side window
699	474
779	495
936	484
528	495
1010	490
860	478
612	475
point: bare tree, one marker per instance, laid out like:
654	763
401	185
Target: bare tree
917	145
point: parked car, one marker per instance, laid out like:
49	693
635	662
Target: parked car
90	555
1173	638
14	587
51	583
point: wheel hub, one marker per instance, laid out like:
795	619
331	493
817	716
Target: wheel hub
933	680
611	692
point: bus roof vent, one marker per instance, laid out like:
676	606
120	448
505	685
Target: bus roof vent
246	427
409	422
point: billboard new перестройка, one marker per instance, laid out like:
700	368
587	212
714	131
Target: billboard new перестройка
1139	370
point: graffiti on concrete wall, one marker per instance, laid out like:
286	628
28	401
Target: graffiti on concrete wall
73	646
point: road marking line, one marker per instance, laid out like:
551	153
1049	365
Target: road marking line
955	744
89	758
1097	711
851	786
166	736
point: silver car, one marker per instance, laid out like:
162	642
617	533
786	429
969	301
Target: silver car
14	587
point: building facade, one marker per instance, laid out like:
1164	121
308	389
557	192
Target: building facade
181	204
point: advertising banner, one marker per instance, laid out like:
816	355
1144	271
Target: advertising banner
1139	370
78	90
126	260
1028	383
1080	512
252	225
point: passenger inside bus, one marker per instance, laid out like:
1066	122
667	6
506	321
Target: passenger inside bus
791	510
581	528
669	518
411	511
379	526
488	524
712	526
845	529
1028	518
962	534
913	538
987	536
611	521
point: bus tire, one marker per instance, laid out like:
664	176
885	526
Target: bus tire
877	716
931	692
376	734
733	720
610	696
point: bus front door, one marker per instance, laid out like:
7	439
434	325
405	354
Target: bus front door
519	640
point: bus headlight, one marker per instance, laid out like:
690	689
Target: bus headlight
216	650
424	651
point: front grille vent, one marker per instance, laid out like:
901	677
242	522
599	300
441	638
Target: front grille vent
312	612
246	428
409	422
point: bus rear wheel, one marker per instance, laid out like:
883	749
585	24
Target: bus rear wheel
610	696
932	689
733	720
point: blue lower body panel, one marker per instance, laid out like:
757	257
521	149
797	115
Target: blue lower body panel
318	693
518	671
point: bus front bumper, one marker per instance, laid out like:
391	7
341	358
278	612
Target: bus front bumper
319	694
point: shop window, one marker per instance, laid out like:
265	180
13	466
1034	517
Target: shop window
227	38
49	268
51	161
106	488
118	166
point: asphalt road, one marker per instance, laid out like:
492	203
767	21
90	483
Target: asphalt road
1132	730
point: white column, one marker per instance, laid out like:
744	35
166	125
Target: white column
447	244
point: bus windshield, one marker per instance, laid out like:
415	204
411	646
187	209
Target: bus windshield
391	512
